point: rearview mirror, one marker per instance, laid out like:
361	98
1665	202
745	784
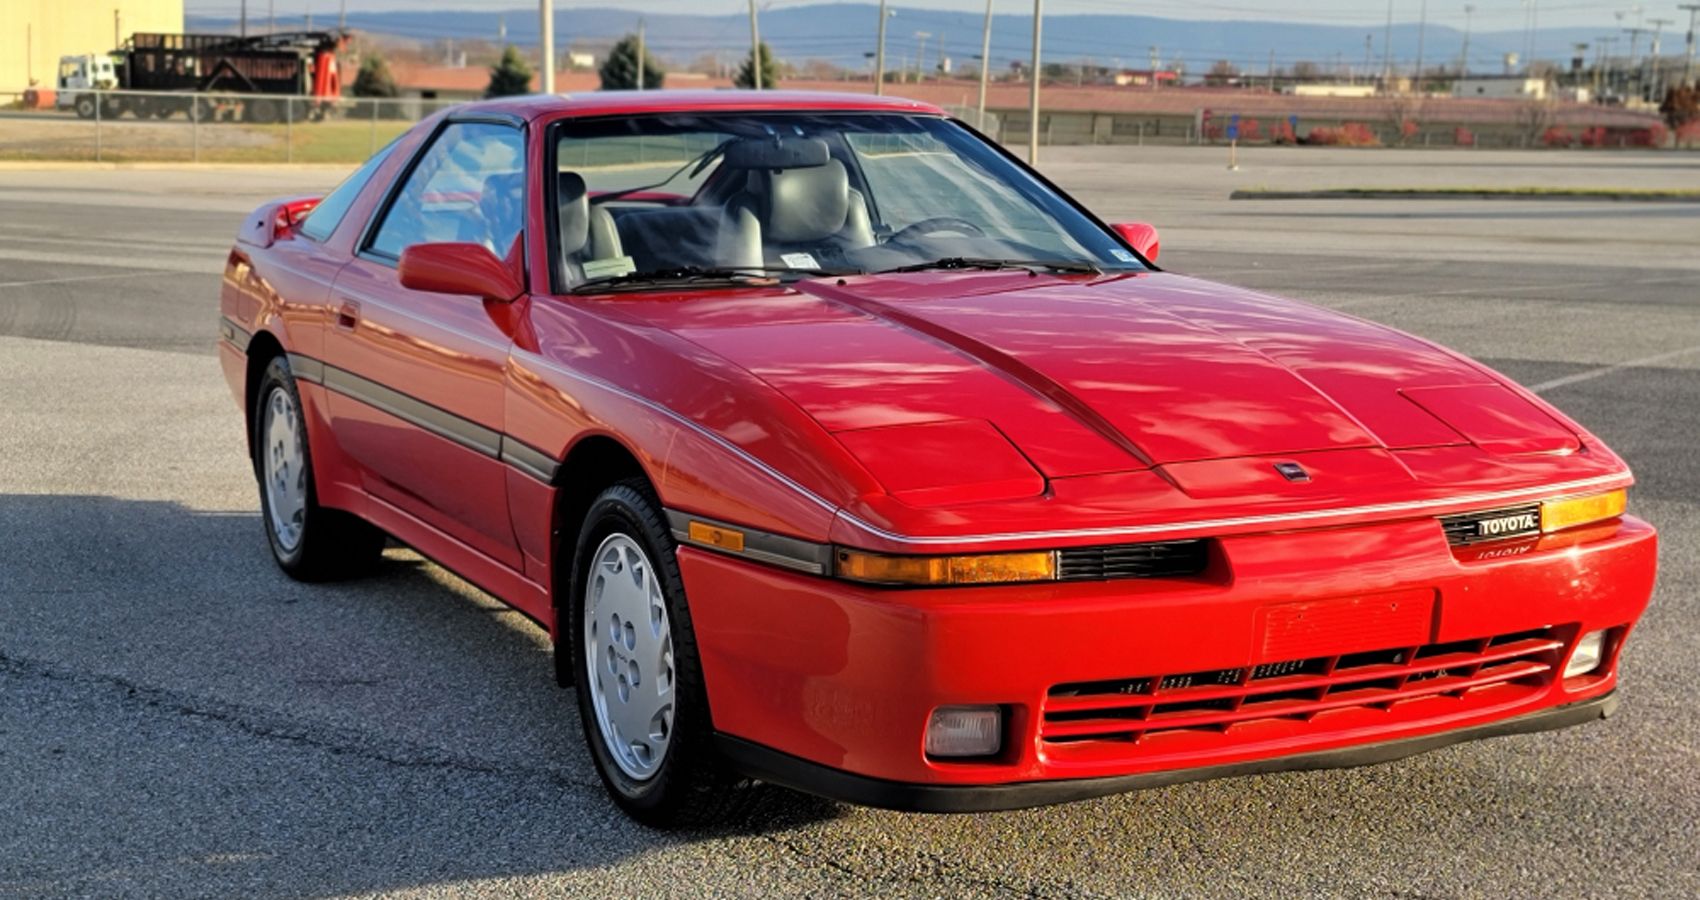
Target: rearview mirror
458	268
1141	237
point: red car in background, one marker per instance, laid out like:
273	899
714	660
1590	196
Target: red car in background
835	448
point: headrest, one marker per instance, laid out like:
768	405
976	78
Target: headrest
503	196
574	222
776	152
807	204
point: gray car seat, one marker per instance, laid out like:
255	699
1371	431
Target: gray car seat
587	231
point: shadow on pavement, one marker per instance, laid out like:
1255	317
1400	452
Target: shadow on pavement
177	717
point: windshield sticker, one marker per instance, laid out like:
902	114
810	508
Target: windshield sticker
608	268
1123	255
799	260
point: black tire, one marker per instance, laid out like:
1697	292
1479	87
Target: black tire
692	785
261	112
85	106
330	544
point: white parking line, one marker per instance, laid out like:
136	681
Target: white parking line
1602	371
141	273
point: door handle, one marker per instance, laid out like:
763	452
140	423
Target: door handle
348	316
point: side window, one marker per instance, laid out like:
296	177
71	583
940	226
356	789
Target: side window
324	218
468	186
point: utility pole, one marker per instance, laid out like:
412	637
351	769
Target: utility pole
117	28
640	54
546	10
242	29
271	16
879	52
1270	71
1156	58
755	48
1693	16
1422	33
1369	48
1033	89
986	57
1464	54
342	16
1656	70
1387	51
921	55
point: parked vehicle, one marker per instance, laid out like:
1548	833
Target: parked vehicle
270	67
835	448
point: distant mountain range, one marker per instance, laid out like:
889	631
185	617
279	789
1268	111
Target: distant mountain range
843	33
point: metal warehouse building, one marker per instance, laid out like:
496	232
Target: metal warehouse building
35	33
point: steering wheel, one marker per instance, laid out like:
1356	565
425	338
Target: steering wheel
934	225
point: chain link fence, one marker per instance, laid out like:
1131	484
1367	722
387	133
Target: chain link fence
153	126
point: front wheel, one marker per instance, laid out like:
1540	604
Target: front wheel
638	677
310	542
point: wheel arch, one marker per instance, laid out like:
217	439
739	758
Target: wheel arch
262	349
593	463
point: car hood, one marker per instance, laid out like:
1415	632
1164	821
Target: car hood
1097	375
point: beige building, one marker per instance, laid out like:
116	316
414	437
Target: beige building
35	33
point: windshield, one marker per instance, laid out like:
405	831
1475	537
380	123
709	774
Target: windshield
788	195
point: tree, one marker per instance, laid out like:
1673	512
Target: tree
1222	73
511	75
1681	106
619	72
374	79
769	70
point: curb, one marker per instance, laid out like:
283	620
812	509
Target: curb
1598	196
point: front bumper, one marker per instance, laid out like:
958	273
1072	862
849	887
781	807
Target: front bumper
774	767
808	675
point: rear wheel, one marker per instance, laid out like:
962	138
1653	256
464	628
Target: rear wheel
309	542
85	106
638	679
261	112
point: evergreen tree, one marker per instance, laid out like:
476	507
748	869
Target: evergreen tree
769	70
510	76
619	71
374	79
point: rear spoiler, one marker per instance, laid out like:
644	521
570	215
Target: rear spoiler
273	220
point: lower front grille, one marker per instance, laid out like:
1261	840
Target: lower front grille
1161	559
1305	691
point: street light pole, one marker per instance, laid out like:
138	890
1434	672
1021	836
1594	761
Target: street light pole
755	49
879	54
986	59
1422	33
1464	55
546	14
1033	89
640	54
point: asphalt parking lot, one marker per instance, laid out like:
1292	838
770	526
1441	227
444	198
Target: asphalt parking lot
179	719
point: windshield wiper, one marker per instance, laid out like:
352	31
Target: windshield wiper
976	262
700	275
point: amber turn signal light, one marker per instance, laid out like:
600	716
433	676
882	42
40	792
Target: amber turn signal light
990	568
1569	512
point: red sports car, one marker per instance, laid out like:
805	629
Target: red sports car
836	448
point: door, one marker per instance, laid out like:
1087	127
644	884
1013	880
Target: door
416	377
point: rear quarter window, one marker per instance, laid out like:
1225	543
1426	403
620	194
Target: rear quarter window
325	217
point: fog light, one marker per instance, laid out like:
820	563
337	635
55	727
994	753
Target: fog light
1589	653
965	731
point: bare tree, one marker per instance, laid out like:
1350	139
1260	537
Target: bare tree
1405	114
1533	119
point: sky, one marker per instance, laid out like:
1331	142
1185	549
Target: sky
1489	15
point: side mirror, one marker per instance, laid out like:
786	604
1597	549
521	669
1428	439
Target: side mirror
1141	236
458	268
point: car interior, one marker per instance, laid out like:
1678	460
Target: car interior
781	201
